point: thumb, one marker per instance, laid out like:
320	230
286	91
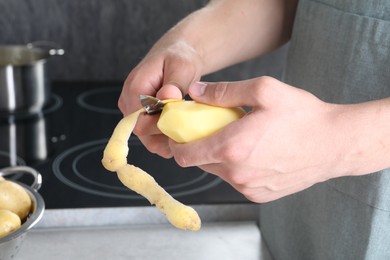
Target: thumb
252	93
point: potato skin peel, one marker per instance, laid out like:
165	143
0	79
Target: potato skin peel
115	153
178	214
115	160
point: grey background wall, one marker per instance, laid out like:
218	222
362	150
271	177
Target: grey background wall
105	39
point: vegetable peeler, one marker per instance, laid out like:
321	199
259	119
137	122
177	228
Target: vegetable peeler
152	105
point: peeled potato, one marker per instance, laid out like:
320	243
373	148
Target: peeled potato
187	121
9	222
13	197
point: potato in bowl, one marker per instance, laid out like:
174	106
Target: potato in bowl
11	242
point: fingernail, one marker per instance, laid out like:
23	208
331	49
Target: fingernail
197	89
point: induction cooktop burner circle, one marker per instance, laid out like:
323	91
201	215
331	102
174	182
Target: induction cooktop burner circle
54	103
73	168
91	100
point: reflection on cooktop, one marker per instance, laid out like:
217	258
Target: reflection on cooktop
54	103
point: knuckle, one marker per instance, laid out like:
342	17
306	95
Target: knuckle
258	199
257	195
164	152
158	148
138	129
240	181
153	147
122	105
180	160
219	93
252	194
265	80
231	154
131	77
253	197
262	85
262	192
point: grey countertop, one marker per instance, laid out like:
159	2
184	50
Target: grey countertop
228	232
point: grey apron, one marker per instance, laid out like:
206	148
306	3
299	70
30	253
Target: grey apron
340	51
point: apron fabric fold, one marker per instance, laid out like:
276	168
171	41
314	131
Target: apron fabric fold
340	52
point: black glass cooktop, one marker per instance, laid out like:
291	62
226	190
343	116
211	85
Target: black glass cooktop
65	144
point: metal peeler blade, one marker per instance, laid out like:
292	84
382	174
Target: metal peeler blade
152	105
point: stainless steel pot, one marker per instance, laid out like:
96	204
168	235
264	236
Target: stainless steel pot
10	244
24	83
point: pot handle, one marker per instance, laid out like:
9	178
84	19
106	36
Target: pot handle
24	169
51	47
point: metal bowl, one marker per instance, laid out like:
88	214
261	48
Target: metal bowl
10	244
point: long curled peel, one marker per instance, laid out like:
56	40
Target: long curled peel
115	153
178	214
115	160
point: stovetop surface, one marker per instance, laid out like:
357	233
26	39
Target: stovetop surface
65	144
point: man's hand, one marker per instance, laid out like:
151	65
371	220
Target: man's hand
165	73
289	141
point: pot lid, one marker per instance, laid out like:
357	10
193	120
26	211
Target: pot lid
19	55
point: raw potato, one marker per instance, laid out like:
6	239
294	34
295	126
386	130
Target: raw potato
9	222
14	198
188	121
176	114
